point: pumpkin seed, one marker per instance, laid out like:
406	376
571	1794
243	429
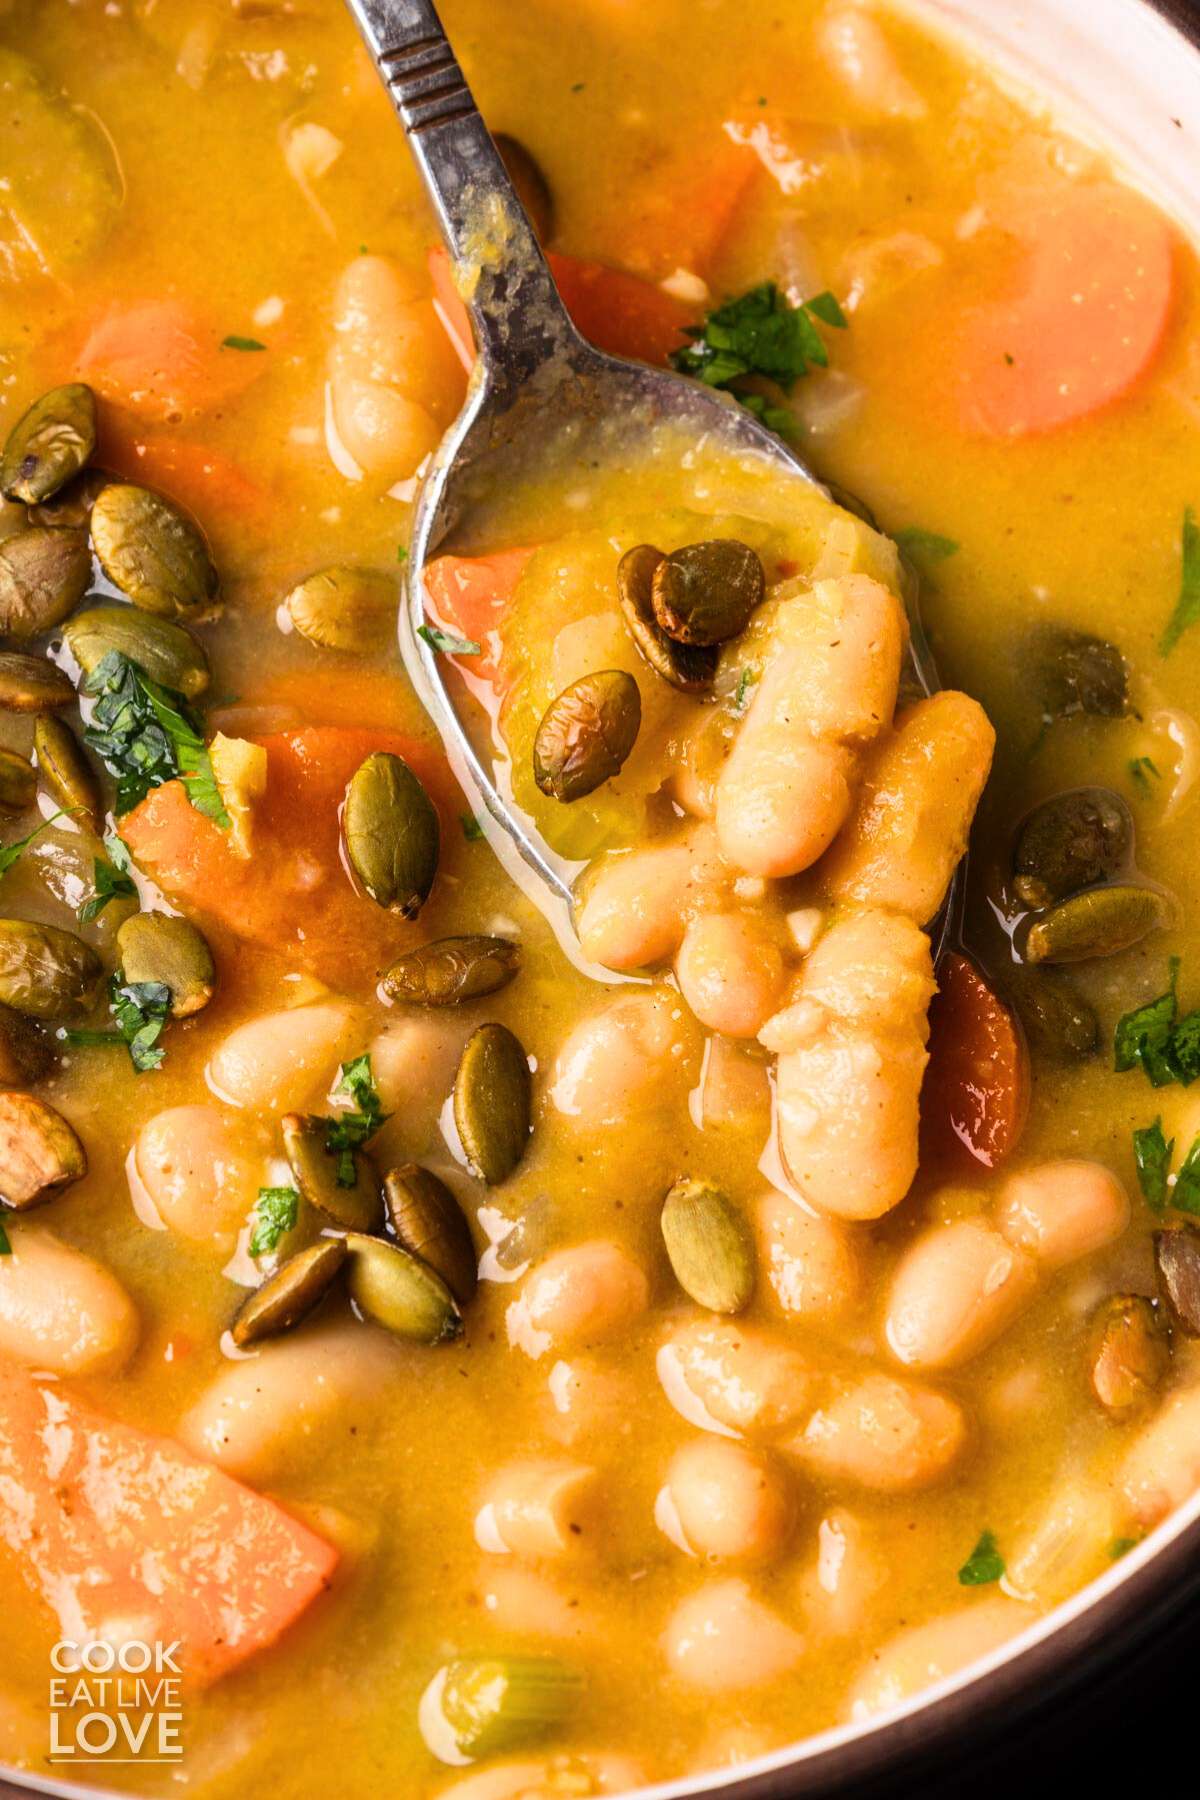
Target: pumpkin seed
1177	1256
705	593
72	505
1074	672
46	973
493	1103
533	190
26	1051
709	1246
345	609
165	651
66	772
1071	842
586	734
1100	922
152	551
688	667
155	946
1061	1025
355	1206
18	783
400	1293
1129	1356
452	970
430	1225
392	834
291	1293
44	574
39	1151
30	684
493	1704
49	444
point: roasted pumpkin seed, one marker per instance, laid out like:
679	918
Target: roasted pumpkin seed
164	650
46	973
392	834
345	609
44	574
26	1051
1129	1355
18	783
30	684
49	444
452	970
493	1103
155	946
1060	1024
356	1206
687	667
1099	922
40	1152
709	1246
430	1224
66	772
291	1293
1071	842
1074	672
72	505
152	551
533	190
496	1703
1177	1255
402	1294
586	734
705	593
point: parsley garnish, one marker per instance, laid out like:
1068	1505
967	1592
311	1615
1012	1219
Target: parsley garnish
401	553
1122	1546
1141	768
1154	1036
1187	607
351	1129
232	342
1152	1157
746	681
11	853
141	1010
275	1213
760	333
1185	1195
472	830
437	639
5	1246
146	734
111	879
925	546
985	1563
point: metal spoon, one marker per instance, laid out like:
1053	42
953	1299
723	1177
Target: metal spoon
538	386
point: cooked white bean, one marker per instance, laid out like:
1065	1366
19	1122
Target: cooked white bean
914	1659
734	1091
885	1434
283	1060
1062	1210
954	1291
193	1163
577	1297
636	903
590	1400
815	1266
731	1503
729	972
525	1780
525	1603
722	1375
856	49
722	1639
61	1310
1162	1466
537	1507
636	1050
846	1576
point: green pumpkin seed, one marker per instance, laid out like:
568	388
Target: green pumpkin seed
1071	842
46	973
44	574
392	835
40	1153
27	1052
345	609
167	652
1130	1355
533	190
152	551
1062	1027
18	783
709	1246
66	772
688	667
493	1103
400	1293
430	1224
155	946
72	505
355	1206
49	444
586	734
452	970
494	1704
1177	1256
705	593
30	684
1073	672
1100	922
291	1293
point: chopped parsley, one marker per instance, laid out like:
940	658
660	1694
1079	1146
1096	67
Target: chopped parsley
1122	1546
349	1130
11	853
401	553
760	333
746	680
275	1213
446	643
926	546
985	1563
5	1246
1152	1158
472	830
1187	607
1154	1038
141	1010
111	879
145	735
233	342
1185	1195
1141	768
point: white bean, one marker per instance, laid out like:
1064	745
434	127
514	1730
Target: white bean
815	1266
577	1297
635	904
1062	1210
60	1310
637	1049
1162	1466
539	1508
850	1570
722	1639
888	1435
733	1377
282	1060
731	1503
916	1658
954	1291
193	1164
729	972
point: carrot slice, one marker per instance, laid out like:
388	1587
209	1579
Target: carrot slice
204	480
472	595
1094	298
158	359
976	1091
112	1527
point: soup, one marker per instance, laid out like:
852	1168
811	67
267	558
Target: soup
436	1331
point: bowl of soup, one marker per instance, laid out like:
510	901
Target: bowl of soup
738	1335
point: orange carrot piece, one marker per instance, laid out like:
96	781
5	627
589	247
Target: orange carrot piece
114	1527
158	359
472	595
202	479
976	1092
1095	297
682	216
449	307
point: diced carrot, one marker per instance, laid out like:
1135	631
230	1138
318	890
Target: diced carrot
471	595
158	359
292	895
682	214
118	1530
1094	296
976	1091
202	479
449	307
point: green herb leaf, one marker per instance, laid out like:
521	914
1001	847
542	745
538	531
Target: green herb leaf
1185	1195
1165	1046
760	333
1152	1156
141	1010
1141	768
926	546
111	880
402	553
448	645
349	1130
5	1246
746	680
1122	1546
11	853
1187	607
472	830
985	1563
145	735
232	342
275	1213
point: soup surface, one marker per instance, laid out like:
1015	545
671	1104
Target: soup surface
450	1336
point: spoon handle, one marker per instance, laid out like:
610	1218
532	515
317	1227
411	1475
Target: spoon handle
519	320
